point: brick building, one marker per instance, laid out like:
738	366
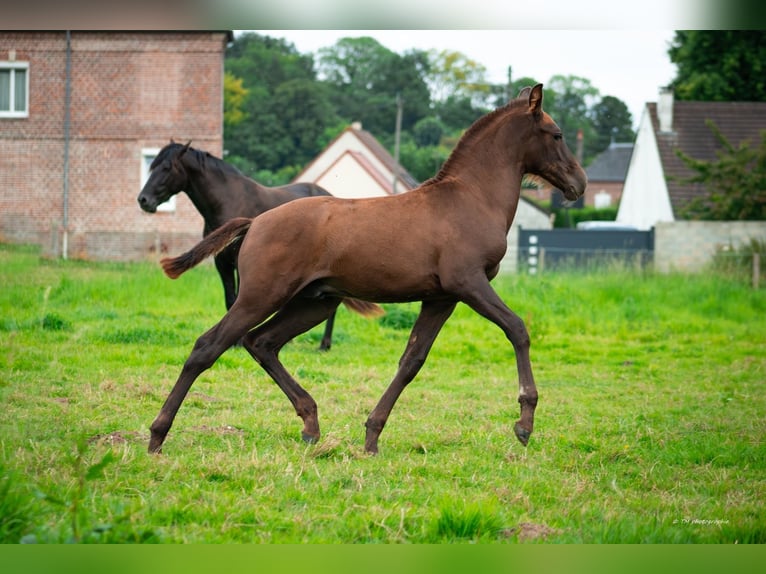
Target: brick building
81	116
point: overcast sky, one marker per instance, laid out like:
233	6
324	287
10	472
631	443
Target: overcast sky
631	65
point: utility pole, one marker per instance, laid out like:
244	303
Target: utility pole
397	134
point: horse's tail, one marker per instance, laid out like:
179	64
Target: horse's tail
364	308
213	243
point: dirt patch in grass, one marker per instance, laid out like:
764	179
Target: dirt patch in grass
118	437
529	531
222	430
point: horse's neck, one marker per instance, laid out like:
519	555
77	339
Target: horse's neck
210	194
490	173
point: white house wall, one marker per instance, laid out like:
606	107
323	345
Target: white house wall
347	141
645	199
347	178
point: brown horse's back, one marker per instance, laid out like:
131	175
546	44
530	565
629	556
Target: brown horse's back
378	249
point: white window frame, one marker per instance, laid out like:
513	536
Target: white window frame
12	112
147	157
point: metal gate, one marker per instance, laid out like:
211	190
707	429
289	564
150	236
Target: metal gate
556	249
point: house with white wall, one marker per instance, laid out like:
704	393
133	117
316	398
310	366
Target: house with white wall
356	165
654	189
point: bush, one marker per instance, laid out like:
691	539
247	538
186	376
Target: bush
566	218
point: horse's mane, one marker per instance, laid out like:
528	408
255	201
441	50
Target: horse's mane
201	159
470	135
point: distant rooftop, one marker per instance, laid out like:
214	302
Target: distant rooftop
611	164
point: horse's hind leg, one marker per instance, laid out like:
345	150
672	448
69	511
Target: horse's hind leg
433	315
228	275
265	342
206	351
327	337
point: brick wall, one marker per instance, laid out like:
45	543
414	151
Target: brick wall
129	91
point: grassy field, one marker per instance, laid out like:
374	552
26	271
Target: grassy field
650	426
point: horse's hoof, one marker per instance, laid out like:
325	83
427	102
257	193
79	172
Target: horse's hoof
155	443
371	446
310	439
522	434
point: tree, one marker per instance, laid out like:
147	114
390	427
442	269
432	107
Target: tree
612	121
453	74
735	183
460	92
719	65
305	111
283	111
263	61
457	113
365	79
422	162
569	99
428	132
234	95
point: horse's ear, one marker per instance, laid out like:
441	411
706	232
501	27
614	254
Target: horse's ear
536	99
185	148
524	93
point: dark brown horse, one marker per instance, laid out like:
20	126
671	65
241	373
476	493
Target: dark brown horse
220	192
440	243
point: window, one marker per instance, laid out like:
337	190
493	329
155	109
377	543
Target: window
147	157
14	89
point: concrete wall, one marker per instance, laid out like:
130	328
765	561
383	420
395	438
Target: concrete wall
690	245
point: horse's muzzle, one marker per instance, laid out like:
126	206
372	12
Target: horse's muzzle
572	193
147	205
576	186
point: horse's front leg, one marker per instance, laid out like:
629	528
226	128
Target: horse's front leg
483	299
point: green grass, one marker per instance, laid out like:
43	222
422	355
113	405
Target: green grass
650	426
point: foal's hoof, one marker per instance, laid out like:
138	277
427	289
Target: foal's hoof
308	438
156	440
521	433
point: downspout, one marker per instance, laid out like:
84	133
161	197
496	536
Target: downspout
67	121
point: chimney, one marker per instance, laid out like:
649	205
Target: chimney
578	152
356	126
665	110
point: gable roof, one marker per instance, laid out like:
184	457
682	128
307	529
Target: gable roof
737	121
611	164
363	153
386	158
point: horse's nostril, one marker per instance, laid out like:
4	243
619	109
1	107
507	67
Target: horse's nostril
141	200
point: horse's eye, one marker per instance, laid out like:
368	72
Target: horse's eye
558	136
